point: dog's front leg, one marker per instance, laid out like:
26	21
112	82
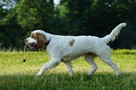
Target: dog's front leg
51	64
69	68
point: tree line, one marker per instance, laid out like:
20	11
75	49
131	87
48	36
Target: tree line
70	17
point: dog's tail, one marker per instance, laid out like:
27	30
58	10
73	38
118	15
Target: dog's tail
112	36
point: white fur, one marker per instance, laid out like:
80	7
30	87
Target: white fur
30	40
59	49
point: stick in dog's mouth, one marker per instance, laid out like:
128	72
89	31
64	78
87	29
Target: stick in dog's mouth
24	60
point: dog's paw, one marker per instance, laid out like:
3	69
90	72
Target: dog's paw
39	74
70	74
117	75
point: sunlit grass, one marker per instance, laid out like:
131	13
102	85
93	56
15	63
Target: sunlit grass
16	74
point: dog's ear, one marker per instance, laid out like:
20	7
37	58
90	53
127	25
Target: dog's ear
33	35
41	40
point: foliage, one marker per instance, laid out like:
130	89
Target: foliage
99	17
33	14
71	17
18	22
15	74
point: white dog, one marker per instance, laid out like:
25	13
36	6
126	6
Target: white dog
67	48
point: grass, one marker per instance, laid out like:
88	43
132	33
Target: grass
18	75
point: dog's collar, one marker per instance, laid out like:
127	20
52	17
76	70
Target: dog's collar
47	43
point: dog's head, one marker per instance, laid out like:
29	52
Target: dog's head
37	40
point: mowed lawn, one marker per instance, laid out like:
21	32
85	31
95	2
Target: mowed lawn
18	75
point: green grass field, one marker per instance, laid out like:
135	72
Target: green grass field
18	75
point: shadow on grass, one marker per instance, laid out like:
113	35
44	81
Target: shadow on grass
60	81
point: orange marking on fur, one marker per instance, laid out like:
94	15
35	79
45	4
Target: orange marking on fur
41	40
33	36
72	42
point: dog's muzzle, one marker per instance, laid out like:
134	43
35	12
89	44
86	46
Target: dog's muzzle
32	46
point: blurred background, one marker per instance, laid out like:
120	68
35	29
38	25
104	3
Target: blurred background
66	17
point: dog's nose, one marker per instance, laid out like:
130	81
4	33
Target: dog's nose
25	40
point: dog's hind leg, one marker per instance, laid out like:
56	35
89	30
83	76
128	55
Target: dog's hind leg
90	59
105	57
111	64
69	68
49	65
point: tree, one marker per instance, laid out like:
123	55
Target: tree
19	21
99	17
34	14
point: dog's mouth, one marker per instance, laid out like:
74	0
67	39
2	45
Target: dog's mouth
32	46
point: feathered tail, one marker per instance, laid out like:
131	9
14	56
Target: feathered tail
112	36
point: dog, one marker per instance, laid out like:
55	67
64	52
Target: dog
66	48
